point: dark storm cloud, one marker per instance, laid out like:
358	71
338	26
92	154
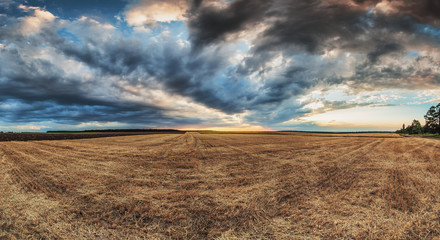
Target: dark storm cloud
210	24
424	11
308	25
194	5
312	25
383	49
305	23
40	111
293	82
35	110
299	46
316	26
122	57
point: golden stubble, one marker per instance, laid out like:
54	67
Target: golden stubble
221	186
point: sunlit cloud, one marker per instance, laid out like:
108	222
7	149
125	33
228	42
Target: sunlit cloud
240	64
34	23
149	12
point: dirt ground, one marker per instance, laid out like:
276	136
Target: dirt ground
221	186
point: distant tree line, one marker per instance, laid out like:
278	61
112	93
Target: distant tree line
116	130
432	123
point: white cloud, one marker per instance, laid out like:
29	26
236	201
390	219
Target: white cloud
147	12
33	24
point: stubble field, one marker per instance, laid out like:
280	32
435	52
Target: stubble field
221	186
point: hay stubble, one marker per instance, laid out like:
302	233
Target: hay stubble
225	186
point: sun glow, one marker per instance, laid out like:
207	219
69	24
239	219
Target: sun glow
253	128
380	118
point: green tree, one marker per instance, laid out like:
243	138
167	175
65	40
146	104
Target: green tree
415	127
403	130
432	119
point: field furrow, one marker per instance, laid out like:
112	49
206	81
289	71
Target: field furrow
221	186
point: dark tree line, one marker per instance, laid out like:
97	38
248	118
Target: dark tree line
432	123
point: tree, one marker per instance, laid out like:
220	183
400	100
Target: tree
414	128
432	119
403	130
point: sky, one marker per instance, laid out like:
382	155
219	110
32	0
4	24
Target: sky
317	65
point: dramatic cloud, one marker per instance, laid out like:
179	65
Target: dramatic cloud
322	27
211	24
245	63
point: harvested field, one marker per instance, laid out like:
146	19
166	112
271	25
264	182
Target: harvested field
221	186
